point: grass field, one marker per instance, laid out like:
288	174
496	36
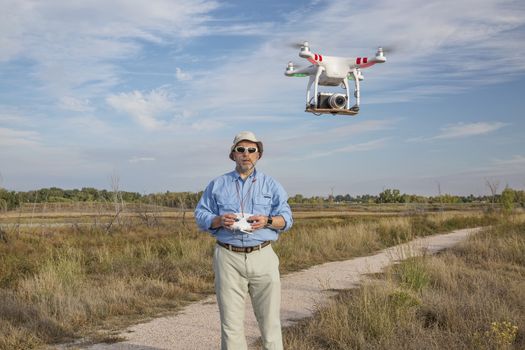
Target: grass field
62	283
470	297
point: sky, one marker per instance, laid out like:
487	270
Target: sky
152	92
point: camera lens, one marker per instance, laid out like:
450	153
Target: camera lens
337	101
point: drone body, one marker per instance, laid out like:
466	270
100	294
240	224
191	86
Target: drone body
332	71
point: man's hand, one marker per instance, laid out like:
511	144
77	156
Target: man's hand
226	221
258	221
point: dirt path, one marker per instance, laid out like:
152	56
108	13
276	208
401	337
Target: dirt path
197	325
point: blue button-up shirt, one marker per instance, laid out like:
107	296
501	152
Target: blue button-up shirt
259	194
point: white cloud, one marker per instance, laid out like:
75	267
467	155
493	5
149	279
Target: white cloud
79	45
206	125
514	160
145	108
182	76
71	103
462	130
343	132
74	44
89	125
13	117
513	167
360	147
235	29
16	138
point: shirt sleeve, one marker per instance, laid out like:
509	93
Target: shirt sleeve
206	210
281	207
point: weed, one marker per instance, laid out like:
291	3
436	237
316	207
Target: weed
413	274
501	335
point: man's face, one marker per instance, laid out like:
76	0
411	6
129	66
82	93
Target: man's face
245	160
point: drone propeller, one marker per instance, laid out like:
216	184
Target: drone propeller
296	45
389	49
297	65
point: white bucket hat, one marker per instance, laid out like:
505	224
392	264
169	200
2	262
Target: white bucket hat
246	136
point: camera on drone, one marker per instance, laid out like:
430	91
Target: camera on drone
331	100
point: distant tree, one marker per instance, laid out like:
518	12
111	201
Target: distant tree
389	196
520	198
414	198
130	196
4	195
366	198
299	198
508	196
493	186
468	199
447	198
89	194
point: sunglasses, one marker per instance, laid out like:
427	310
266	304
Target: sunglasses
241	149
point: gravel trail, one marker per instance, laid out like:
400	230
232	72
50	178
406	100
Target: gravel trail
197	325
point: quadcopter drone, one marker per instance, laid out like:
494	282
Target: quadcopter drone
332	71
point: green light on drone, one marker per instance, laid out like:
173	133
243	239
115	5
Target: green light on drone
299	75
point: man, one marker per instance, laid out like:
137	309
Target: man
244	261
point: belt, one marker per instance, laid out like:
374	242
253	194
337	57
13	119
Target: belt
244	249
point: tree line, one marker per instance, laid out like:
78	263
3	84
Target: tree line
395	196
10	200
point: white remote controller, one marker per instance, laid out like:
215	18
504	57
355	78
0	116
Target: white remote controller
242	224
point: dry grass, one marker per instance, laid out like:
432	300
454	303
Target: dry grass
471	297
315	241
62	283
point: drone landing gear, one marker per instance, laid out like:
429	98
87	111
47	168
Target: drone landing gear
321	103
352	111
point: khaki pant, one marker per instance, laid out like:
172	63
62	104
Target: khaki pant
256	273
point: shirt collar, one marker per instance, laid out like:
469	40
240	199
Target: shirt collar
236	176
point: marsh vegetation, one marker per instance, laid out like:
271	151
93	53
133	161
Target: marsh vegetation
84	281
